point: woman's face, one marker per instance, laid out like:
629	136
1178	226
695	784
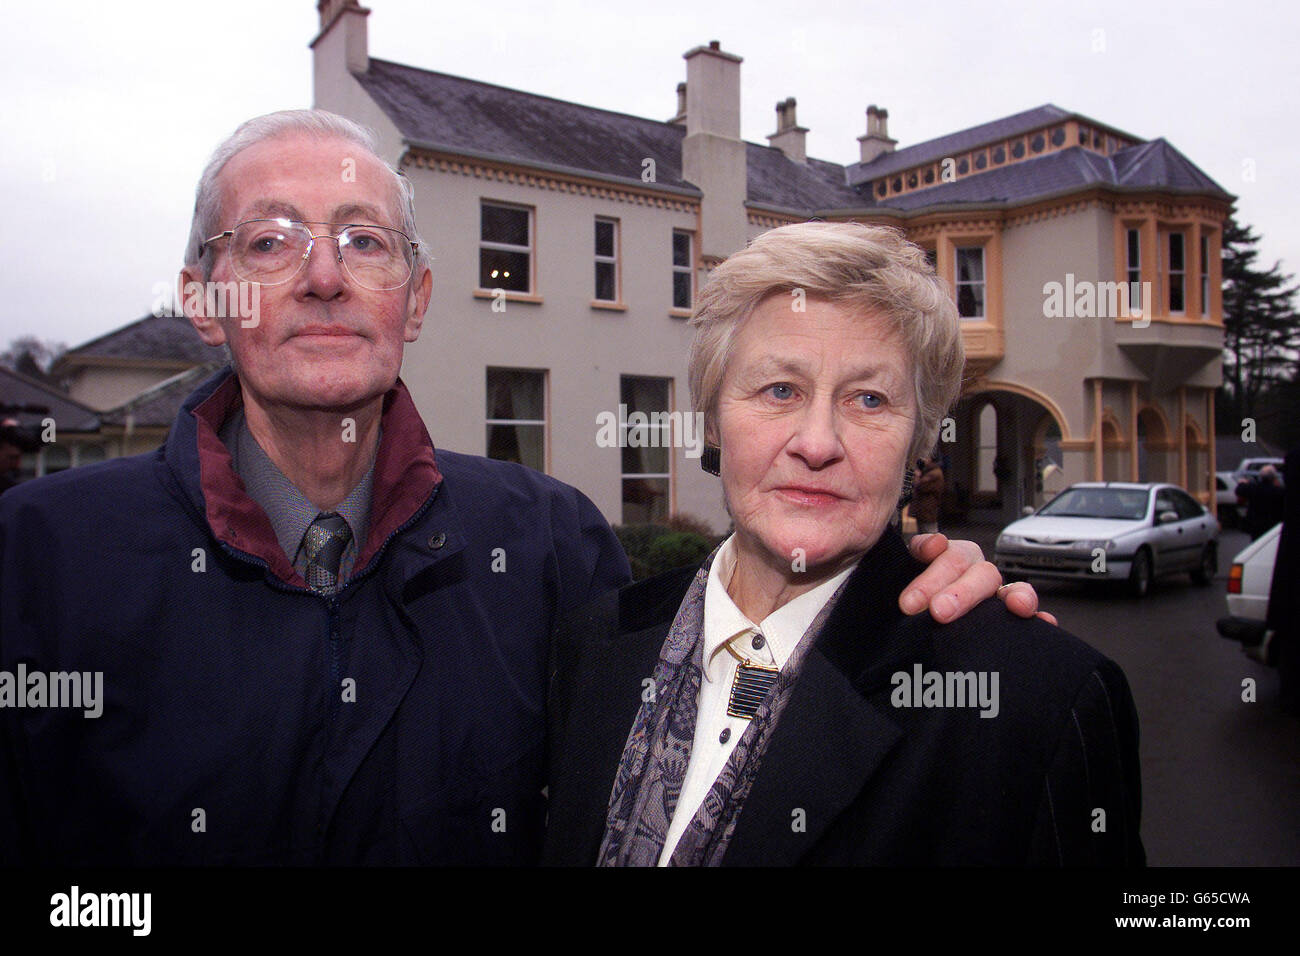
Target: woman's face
815	415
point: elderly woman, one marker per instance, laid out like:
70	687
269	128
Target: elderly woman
776	706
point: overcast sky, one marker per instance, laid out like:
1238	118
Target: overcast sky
110	109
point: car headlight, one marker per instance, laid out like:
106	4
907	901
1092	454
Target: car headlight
1093	544
1008	539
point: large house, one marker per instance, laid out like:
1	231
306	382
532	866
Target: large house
568	242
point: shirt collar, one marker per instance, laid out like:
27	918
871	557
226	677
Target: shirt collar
724	622
290	511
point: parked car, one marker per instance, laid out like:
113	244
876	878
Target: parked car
1113	531
1250	468
1225	497
1249	581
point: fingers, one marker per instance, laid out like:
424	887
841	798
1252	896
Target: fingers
957	579
1020	598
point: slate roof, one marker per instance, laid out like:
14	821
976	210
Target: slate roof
1153	165
962	140
459	115
471	118
158	406
775	180
158	337
44	401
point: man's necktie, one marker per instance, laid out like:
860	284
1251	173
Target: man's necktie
324	544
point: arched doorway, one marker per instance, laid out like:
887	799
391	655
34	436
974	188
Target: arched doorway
1004	441
1153	445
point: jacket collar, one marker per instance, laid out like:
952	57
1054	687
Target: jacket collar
405	473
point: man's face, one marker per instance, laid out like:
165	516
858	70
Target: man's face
320	339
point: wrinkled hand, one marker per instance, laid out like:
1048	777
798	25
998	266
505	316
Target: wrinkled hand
958	578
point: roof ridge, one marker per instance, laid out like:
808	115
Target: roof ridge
53	390
537	96
148	316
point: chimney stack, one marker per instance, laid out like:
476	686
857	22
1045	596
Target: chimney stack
713	154
876	142
790	138
680	118
339	49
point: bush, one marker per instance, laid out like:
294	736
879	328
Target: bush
677	549
655	548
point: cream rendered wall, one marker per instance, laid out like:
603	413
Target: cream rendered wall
584	349
1054	356
106	387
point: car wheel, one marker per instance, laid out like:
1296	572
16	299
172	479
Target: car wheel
1209	567
1139	576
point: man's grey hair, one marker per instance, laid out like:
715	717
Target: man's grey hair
318	123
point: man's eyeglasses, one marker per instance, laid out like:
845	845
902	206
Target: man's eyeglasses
272	251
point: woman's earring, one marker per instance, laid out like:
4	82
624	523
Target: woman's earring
711	459
906	496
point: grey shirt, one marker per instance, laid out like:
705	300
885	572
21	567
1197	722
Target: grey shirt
290	511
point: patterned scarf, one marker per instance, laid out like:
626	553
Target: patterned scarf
658	750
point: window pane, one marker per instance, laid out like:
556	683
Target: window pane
681	249
1176	251
645	500
518	443
681	290
970	265
514	393
503	270
644	460
1176	303
505	224
645	447
605	285
604	237
970	301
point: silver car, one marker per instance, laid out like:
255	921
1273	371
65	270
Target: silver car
1113	530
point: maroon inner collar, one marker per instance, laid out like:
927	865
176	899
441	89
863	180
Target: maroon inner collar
405	475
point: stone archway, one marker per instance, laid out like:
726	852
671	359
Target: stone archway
1005	438
1153	444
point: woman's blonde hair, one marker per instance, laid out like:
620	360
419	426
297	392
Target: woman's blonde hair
866	268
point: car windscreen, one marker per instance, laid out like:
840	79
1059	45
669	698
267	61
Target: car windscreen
1125	504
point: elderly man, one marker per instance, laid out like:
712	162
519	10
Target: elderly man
285	634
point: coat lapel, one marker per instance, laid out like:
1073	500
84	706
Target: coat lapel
830	740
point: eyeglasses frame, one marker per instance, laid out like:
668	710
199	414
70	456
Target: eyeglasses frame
311	244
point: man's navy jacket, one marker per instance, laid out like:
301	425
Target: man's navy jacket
246	719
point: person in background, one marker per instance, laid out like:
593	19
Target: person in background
13	443
927	494
1263	501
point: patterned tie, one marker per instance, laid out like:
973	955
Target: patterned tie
324	544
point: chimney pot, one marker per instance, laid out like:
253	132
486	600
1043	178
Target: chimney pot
876	142
790	138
